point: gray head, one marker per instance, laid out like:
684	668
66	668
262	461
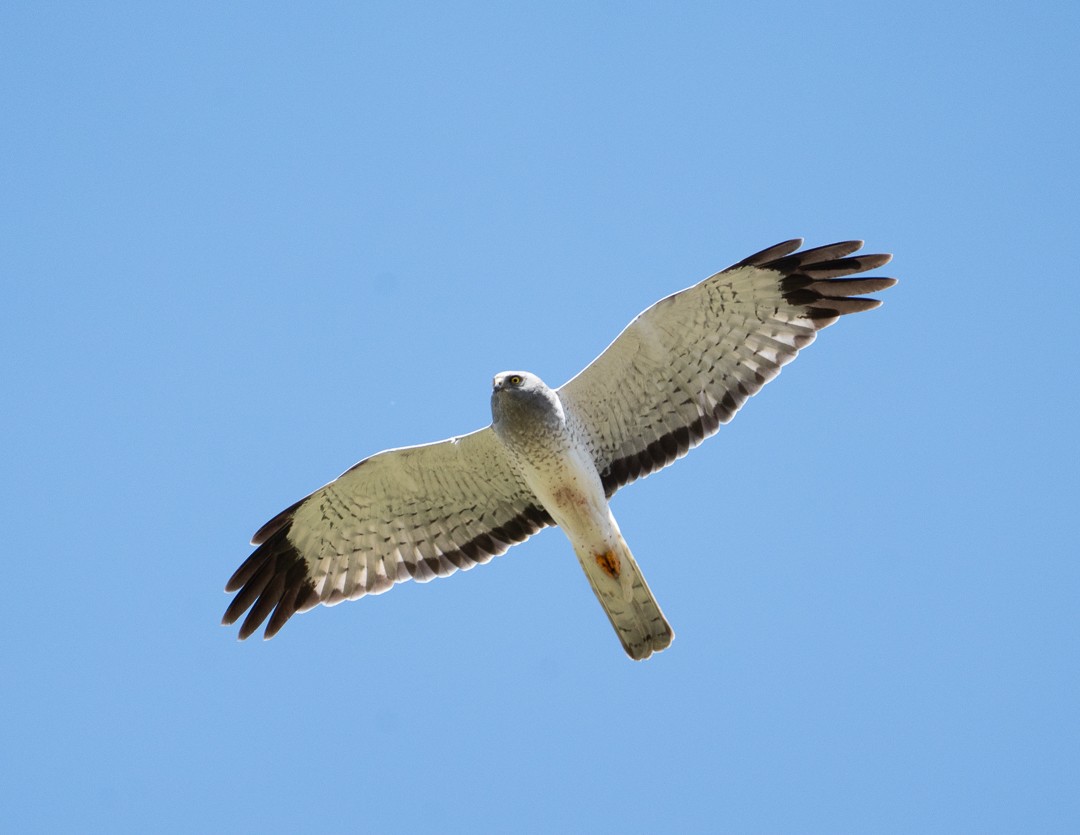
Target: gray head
520	401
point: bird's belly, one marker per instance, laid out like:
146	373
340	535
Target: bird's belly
574	496
575	511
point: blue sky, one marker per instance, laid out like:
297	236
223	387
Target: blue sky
245	245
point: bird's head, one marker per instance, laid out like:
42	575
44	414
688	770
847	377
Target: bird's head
519	394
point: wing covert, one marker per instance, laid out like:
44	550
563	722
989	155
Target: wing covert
687	364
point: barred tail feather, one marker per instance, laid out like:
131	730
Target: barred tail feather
630	606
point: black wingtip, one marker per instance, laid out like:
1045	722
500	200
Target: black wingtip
815	280
273	582
770	254
280	521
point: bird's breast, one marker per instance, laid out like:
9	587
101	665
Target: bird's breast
565	480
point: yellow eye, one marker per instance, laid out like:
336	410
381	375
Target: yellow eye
516	380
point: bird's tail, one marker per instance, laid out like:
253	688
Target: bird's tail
625	596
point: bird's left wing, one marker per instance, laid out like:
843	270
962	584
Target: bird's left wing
689	362
412	513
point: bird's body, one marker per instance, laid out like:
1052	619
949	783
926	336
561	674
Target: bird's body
555	456
549	453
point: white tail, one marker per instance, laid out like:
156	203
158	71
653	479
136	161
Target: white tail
622	591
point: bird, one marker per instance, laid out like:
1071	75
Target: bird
555	456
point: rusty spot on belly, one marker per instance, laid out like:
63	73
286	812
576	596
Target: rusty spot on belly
569	497
609	562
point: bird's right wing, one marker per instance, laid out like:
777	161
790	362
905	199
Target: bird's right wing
412	513
689	362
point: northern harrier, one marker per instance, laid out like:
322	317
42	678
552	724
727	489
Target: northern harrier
555	456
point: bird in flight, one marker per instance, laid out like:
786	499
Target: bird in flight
555	456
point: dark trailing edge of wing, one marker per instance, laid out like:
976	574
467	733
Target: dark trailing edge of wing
274	580
811	279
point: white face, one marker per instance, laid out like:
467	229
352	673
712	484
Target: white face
510	380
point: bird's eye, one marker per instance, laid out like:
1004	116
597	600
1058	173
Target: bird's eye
516	380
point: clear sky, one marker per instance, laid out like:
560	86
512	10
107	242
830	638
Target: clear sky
244	245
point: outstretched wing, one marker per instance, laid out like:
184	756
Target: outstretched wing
412	513
689	362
